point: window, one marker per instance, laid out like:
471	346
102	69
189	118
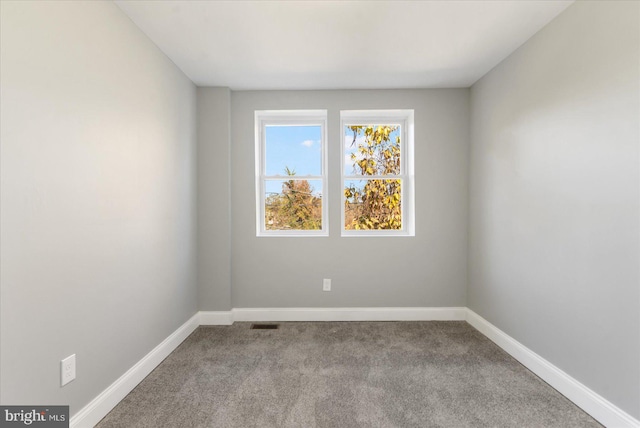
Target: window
291	178
377	173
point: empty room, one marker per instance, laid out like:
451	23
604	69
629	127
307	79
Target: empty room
319	213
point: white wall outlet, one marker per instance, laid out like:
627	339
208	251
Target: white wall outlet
67	370
326	284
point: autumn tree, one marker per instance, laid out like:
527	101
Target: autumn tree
376	205
296	207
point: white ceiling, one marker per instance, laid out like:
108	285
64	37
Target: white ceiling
339	44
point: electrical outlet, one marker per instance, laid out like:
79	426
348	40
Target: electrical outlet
67	370
326	284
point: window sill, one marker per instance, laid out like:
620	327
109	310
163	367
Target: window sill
376	234
292	234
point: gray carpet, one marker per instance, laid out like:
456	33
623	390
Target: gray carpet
343	374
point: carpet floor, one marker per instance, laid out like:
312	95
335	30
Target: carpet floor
343	374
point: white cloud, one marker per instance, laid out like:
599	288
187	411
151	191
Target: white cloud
348	141
307	143
349	163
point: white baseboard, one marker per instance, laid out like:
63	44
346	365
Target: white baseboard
215	317
98	408
597	406
332	314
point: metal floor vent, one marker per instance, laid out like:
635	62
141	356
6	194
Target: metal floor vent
264	326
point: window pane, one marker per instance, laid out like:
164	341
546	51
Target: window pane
293	204
372	149
293	149
373	204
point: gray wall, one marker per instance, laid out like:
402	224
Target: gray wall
98	198
214	204
554	230
426	270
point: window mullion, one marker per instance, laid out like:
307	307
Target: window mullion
291	177
373	177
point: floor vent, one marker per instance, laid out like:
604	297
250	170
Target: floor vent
264	326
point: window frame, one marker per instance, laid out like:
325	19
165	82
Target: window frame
404	118
264	118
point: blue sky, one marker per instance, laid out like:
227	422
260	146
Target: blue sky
296	147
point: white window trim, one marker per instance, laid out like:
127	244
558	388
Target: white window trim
264	118
404	118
